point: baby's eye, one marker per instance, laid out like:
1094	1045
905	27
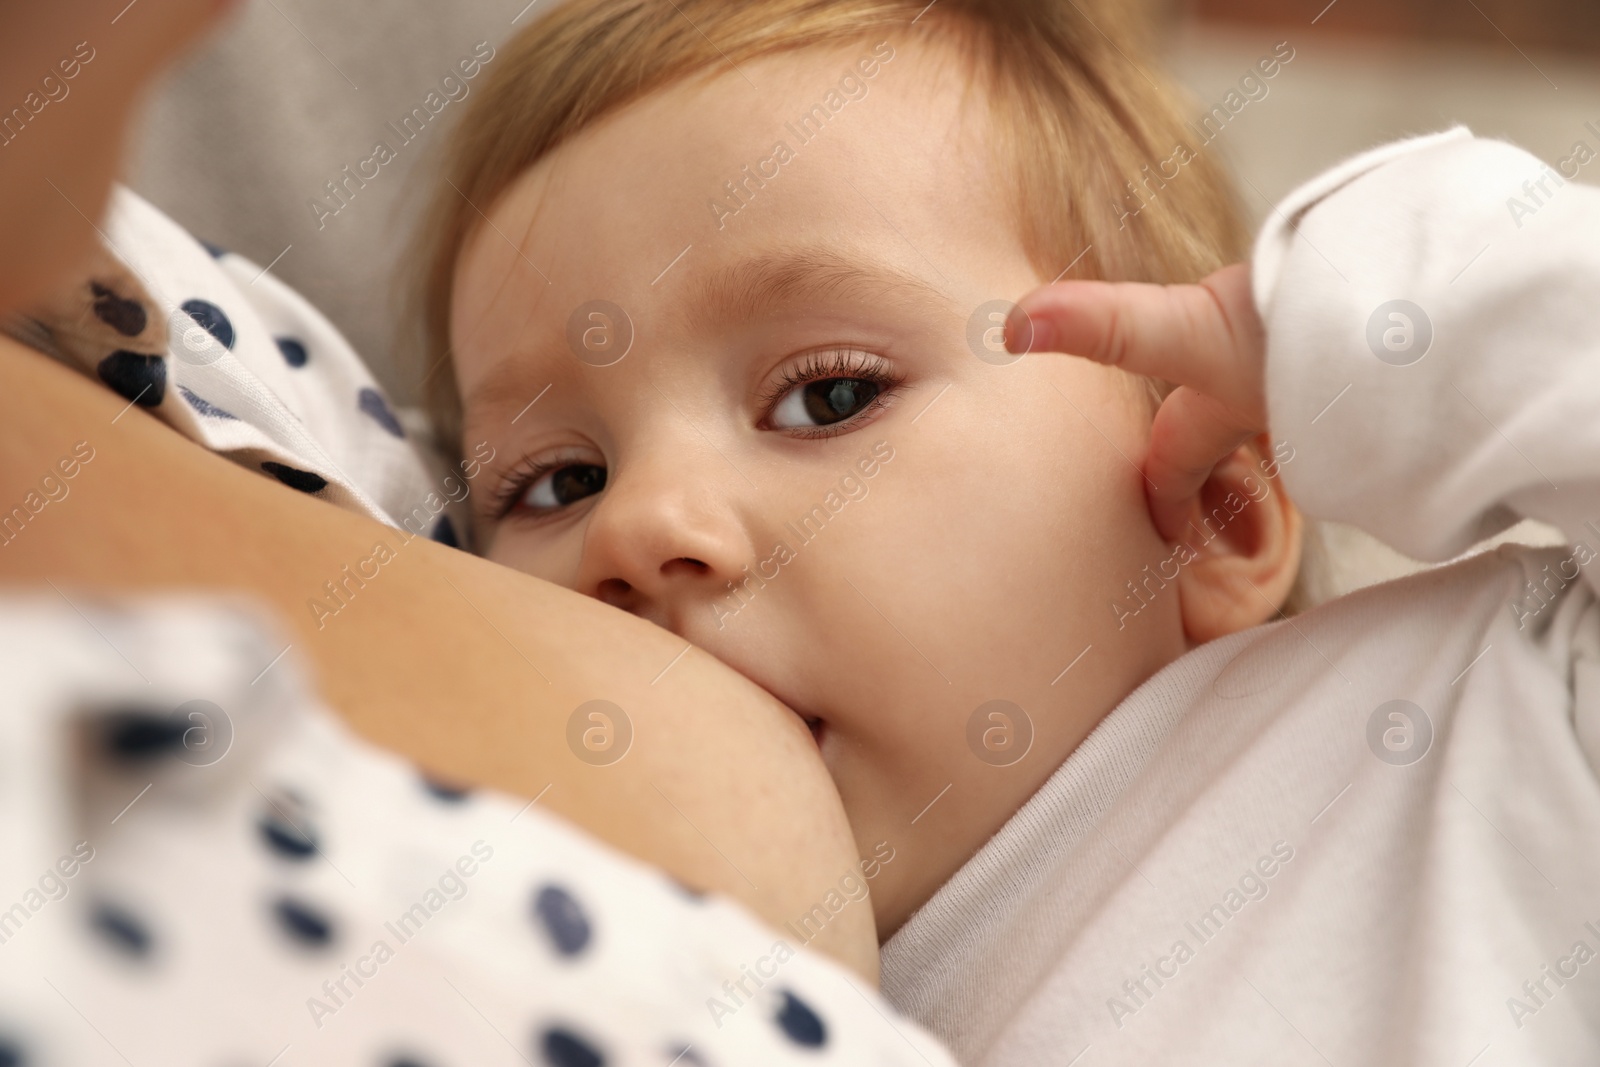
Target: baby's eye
824	402
563	486
829	392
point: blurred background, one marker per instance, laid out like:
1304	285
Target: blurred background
248	135
1367	71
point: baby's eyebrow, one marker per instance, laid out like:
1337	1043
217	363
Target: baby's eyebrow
735	293
754	286
509	386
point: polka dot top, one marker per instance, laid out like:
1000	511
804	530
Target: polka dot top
204	867
231	357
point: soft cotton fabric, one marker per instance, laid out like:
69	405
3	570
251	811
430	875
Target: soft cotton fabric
1258	857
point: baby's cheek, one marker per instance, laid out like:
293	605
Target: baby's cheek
1053	526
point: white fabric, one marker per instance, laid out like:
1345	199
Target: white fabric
214	887
441	949
1232	825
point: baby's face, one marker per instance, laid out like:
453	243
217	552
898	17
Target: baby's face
789	451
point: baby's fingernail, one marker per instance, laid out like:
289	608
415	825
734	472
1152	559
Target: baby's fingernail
1027	334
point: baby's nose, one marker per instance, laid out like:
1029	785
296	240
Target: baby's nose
657	544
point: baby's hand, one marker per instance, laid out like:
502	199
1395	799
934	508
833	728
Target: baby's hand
1206	338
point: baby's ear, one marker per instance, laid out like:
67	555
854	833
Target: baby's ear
1244	544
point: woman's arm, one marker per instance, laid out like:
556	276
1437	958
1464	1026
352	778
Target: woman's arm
467	668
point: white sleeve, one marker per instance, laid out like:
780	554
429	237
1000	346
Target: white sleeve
1433	353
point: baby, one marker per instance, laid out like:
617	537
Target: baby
736	341
727	290
729	294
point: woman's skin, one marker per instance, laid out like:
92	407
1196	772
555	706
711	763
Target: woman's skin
62	152
978	563
466	668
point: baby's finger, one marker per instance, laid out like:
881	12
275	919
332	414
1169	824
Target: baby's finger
1191	435
1207	336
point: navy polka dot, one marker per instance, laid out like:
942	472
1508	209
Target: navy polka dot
294	352
563	1048
288	833
404	1061
121	929
371	401
217	251
11	1054
800	1024
206	407
137	377
444	532
450	794
302	923
139	734
127	317
211	319
304	481
684	1054
563	919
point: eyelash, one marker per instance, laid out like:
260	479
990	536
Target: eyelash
835	363
817	366
516	481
